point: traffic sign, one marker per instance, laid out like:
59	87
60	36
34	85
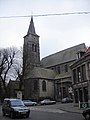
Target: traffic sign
84	105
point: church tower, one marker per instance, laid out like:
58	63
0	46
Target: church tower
31	52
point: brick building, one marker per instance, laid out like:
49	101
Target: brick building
81	77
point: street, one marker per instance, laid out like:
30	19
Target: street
55	116
48	113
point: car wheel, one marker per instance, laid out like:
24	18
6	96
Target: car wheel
27	116
87	117
12	115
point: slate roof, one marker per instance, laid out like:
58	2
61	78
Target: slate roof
85	57
61	76
62	56
42	73
31	27
88	50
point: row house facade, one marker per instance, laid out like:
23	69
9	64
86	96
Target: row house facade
81	77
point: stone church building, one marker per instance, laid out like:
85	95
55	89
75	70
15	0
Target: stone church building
51	76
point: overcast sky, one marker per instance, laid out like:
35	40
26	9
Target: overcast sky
56	32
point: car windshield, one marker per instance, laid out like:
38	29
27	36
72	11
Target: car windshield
15	103
47	100
27	100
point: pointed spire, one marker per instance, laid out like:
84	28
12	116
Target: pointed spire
31	27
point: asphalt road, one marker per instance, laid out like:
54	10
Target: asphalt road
47	113
36	115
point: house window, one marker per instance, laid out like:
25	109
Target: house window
83	72
74	76
66	68
89	66
35	85
79	74
43	85
58	69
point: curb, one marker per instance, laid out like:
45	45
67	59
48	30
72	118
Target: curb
70	111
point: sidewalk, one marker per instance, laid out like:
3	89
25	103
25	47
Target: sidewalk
69	107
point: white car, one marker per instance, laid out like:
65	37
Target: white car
67	100
29	103
47	102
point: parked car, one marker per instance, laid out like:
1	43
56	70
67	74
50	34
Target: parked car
47	102
86	114
29	103
67	100
15	108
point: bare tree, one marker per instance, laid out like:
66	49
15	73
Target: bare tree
18	67
7	61
18	74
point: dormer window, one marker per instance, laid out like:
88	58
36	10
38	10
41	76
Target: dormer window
80	54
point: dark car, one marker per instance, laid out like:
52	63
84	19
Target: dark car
47	102
15	108
29	103
67	100
86	114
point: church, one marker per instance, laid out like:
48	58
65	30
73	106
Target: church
50	77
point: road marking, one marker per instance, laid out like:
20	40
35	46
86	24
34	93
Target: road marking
47	110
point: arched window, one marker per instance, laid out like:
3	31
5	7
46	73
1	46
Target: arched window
43	85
